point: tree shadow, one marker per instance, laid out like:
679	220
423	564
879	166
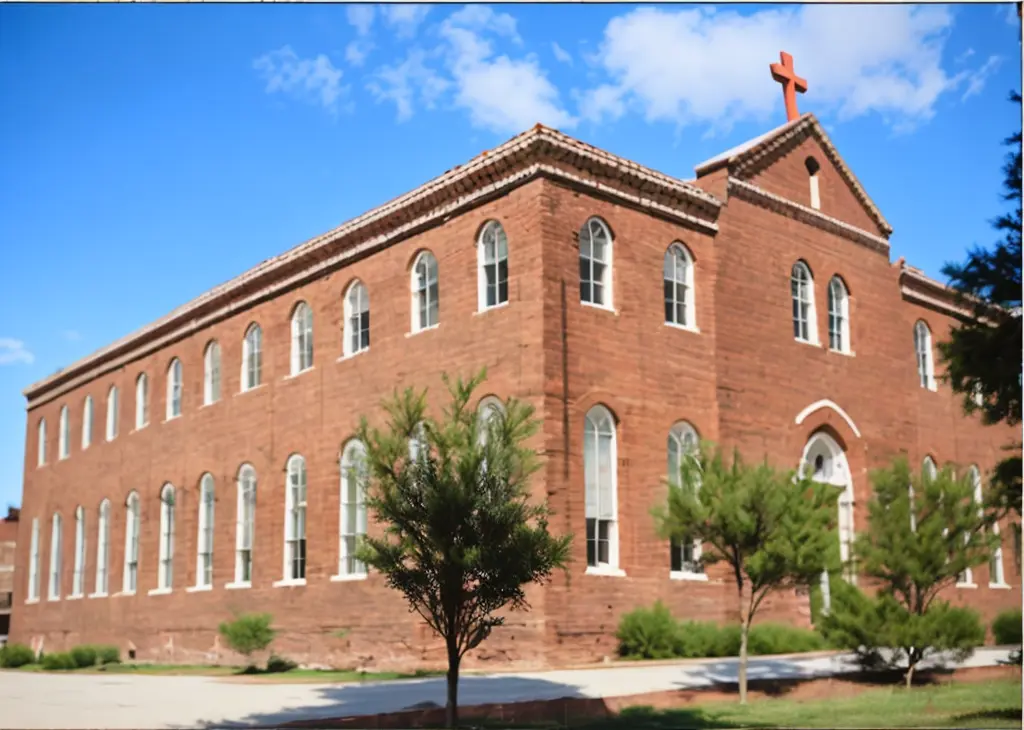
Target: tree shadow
1008	713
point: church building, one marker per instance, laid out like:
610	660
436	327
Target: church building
205	464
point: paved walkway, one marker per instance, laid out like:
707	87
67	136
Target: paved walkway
71	701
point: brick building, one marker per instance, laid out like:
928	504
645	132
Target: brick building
200	465
8	541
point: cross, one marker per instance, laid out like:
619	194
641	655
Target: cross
791	83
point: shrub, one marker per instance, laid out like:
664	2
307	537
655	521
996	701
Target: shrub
248	633
84	656
16	655
1007	627
276	664
770	638
108	654
649	633
58	661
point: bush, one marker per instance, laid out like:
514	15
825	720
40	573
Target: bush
58	661
649	633
84	656
108	654
1007	627
248	633
16	655
699	639
276	664
782	639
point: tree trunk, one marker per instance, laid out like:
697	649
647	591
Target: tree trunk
910	674
744	631
452	707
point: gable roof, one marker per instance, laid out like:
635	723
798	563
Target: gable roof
759	151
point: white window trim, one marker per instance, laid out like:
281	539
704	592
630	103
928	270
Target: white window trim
237	582
481	272
844	314
929	356
353	451
611	567
64	436
113	407
102	550
41	443
678	433
414	299
812	314
607	279
302	339
87	409
78	574
689	299
141	401
132	542
56	573
349	307
205	519
175	390
33	563
254	331
211	366
165	566
815	191
295	462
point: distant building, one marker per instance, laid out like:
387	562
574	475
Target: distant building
8	540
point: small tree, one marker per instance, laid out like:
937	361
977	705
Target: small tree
461	539
914	546
248	634
772	529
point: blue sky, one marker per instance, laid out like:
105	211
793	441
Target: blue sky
151	152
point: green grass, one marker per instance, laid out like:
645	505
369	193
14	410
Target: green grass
294	675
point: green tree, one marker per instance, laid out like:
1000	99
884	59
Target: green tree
248	633
983	354
461	539
922	534
773	529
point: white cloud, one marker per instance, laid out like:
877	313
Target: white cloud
561	55
71	335
404	82
965	55
361	17
14	351
357	51
404	19
702	66
976	81
315	80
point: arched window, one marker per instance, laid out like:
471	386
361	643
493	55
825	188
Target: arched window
141	401
87	422
492	263
33	562
996	574
802	290
353	509
112	406
78	577
928	469
246	525
165	571
252	357
685	557
838	316
64	439
130	580
599	470
204	542
41	442
211	373
174	389
103	549
678	279
595	264
417	442
923	349
812	171
488	411
295	520
356	336
56	555
425	292
302	338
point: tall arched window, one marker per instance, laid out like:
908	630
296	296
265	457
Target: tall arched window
130	579
599	470
204	541
56	555
302	338
678	280
211	373
141	401
489	410
174	386
356	336
595	263
838	316
41	443
996	574
928	469
33	562
245	525
492	263
417	442
802	290
685	557
64	439
103	549
252	357
425	292
165	571
295	520
923	349
353	509
812	172
112	406
78	577
87	422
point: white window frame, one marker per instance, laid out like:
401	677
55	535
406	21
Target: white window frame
64	436
302	338
677	280
966	578
356	328
252	358
594	271
165	568
41	443
813	168
245	526
923	353
489	259
295	501
600	428
141	401
103	550
112	411
426	292
801	290
683	442
56	556
33	563
174	389
352	510
205	536
87	409
996	568
78	576
838	316
132	520
488	407
211	373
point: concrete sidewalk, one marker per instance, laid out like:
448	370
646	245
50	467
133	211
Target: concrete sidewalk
73	701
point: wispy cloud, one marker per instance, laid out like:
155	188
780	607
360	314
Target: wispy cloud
13	351
561	55
314	80
404	19
407	82
976	81
361	17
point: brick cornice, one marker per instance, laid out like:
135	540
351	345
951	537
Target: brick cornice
759	196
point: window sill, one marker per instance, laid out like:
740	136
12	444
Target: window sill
809	343
424	329
63	458
606	570
484	310
211	403
847	353
1000	586
603	307
684	327
138	428
249	390
966	585
53	599
75	597
687	575
123	594
30	601
159	592
351	355
198	589
347	578
292	376
237	586
172	418
97	595
289	582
